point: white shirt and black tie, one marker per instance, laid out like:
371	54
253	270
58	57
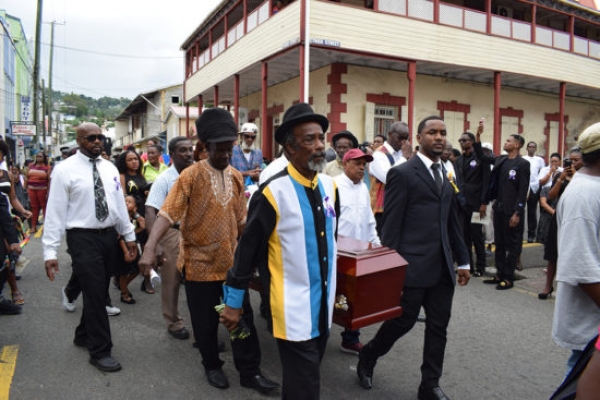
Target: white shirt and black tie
72	201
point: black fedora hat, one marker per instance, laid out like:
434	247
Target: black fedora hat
345	134
298	114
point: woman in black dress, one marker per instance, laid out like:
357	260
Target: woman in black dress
129	165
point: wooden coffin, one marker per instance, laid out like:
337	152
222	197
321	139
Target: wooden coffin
370	278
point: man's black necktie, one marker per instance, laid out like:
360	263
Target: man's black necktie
438	178
99	195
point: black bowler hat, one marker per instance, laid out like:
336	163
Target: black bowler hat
295	115
216	125
345	134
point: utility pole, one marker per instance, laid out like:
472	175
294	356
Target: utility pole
36	69
50	106
44	111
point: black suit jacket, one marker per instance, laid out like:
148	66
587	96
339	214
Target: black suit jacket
474	172
513	196
422	225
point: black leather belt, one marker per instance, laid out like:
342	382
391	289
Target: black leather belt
99	231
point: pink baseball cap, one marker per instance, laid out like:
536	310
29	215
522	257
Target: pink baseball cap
353	154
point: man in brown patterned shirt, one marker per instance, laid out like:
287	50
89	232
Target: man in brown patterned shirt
208	201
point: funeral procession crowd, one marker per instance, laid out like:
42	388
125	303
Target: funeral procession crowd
218	219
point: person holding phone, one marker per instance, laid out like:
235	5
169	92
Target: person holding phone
571	165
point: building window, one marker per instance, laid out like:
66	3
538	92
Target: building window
384	117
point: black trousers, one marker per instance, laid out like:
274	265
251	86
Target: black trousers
532	214
202	297
94	255
301	364
73	290
509	242
437	302
473	236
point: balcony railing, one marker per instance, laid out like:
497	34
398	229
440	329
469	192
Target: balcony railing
450	15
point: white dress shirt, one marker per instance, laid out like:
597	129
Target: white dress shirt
71	202
545	171
536	163
380	165
161	186
356	218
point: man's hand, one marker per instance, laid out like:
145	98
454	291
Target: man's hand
15	248
133	250
482	211
230	317
463	277
514	221
51	268
479	129
27	214
147	261
407	149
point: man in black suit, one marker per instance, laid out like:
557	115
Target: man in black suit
509	183
474	172
421	223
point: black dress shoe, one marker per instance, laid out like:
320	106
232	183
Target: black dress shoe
259	382
106	364
217	378
434	393
364	369
181	334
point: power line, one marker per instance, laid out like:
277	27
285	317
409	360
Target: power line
116	55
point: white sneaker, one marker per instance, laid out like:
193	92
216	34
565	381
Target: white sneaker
20	265
111	311
70	307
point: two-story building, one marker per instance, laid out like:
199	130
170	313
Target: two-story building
145	118
527	66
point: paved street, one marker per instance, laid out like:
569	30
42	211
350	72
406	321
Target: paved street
499	348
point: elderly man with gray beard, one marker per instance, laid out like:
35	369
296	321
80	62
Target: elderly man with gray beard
291	236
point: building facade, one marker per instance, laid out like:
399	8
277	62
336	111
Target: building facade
527	67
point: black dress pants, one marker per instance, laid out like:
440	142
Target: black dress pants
202	297
532	214
93	253
301	364
509	242
437	303
473	236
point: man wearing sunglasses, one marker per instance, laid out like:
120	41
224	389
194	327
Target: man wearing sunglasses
246	158
86	200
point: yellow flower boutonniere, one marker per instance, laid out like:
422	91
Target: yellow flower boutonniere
452	182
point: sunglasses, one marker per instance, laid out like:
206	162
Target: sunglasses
249	136
93	138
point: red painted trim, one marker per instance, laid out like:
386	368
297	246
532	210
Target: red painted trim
488	17
362	53
562	122
533	22
334	98
436	11
236	98
302	48
411	75
497	134
267	138
455	106
187	121
253	114
245	18
555	117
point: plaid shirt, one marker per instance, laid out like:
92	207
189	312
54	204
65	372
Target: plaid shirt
239	162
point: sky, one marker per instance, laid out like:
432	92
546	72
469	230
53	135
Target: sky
114	48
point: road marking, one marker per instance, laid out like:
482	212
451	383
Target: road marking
8	361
